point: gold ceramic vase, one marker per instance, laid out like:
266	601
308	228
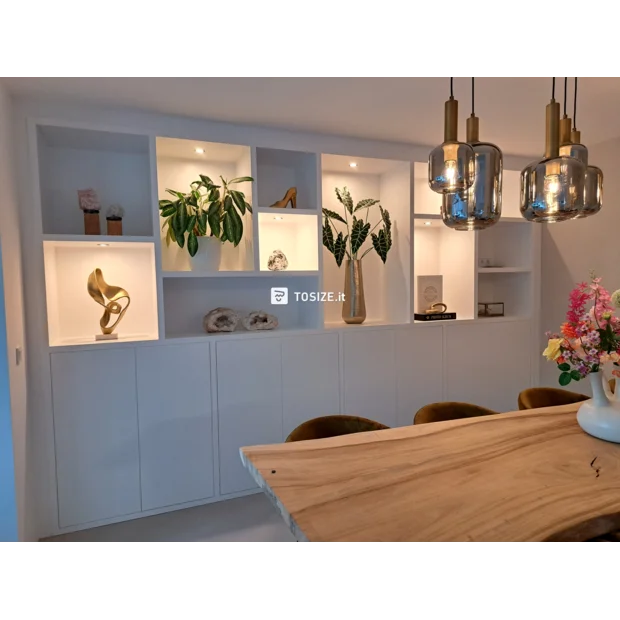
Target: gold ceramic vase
354	306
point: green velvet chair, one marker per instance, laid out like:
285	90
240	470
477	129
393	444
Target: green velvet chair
332	426
440	412
534	398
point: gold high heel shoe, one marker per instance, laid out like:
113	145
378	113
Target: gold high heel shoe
99	290
290	196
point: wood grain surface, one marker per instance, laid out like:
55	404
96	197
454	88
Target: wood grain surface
521	476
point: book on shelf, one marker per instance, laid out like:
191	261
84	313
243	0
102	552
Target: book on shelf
435	316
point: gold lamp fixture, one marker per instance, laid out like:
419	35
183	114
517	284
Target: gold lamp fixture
480	206
570	146
451	166
552	189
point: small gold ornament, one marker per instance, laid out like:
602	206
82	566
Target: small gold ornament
99	290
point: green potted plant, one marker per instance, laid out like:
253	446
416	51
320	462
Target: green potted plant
350	241
204	218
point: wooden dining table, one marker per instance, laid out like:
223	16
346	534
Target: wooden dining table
520	476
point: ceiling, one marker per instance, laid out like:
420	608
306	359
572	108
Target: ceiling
511	110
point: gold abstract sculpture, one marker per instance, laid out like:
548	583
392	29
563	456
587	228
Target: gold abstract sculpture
99	290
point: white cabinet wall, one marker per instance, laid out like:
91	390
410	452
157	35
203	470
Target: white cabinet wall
249	398
310	378
141	428
96	435
488	364
176	424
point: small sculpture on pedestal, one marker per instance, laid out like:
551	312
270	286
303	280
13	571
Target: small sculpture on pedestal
99	290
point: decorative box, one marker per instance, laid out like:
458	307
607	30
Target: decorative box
491	309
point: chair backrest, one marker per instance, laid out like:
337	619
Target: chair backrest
332	426
534	398
440	412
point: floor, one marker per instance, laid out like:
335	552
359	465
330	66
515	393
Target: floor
246	519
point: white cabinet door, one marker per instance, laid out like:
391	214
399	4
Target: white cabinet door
249	396
310	378
176	433
488	364
369	374
419	371
96	434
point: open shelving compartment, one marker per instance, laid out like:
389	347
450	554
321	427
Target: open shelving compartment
116	165
73	316
386	286
188	300
178	165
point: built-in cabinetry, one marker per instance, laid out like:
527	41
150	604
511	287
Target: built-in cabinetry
153	432
154	421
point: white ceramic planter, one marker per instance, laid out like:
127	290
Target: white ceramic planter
600	416
208	256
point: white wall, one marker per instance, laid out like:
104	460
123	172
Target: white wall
13	301
571	249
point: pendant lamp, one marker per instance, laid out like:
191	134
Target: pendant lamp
571	147
552	189
480	206
451	164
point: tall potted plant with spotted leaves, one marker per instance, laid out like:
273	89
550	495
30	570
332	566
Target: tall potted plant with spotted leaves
345	237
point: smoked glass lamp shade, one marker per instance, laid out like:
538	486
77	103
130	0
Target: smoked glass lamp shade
451	167
552	190
593	192
480	206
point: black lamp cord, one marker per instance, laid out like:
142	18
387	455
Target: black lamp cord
552	89
451	88
472	96
575	108
565	91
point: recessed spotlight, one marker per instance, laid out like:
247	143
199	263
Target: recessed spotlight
103	245
278	217
200	151
353	164
427	223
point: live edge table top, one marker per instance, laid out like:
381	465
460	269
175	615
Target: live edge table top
520	476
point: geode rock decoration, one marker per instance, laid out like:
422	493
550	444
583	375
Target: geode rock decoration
220	320
277	261
259	320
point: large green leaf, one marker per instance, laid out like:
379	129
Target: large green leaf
181	217
164	203
214	194
564	367
215	219
328	236
238	200
168	210
359	233
340	246
205	179
388	225
248	206
191	222
234	229
575	375
334	216
365	204
380	243
192	244
202	223
344	196
240	180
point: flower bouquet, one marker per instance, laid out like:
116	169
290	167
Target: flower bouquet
588	340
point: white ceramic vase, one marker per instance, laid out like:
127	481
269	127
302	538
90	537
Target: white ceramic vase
208	256
600	416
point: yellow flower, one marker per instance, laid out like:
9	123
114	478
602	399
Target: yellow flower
552	352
